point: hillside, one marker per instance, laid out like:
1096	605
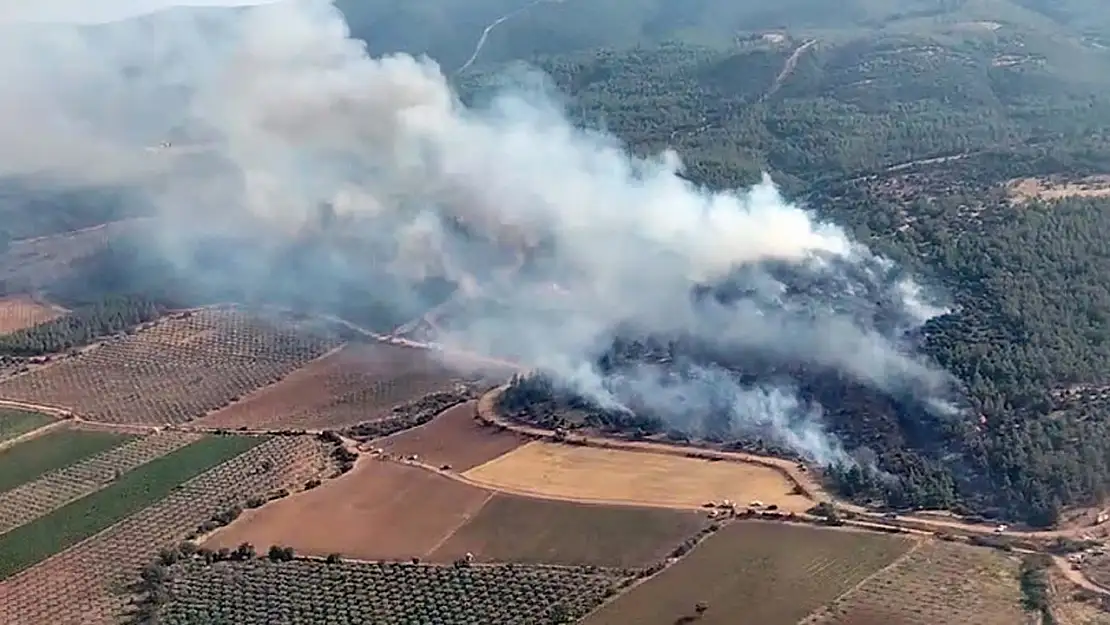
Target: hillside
910	140
449	31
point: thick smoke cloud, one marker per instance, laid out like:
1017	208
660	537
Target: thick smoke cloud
275	112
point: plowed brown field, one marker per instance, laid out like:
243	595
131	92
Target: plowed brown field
379	511
20	311
358	383
537	531
454	438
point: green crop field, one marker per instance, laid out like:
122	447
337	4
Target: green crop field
28	460
72	523
15	423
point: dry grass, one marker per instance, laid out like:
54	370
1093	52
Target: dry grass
941	582
21	311
628	477
1049	189
535	531
756	573
380	510
1075	606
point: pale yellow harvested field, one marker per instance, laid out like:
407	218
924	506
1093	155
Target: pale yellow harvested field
620	476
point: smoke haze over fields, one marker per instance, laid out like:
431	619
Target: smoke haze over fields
283	126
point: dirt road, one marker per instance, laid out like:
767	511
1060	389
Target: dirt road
494	24
789	66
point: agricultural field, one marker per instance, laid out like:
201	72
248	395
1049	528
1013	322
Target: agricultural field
385	594
360	382
20	311
537	531
178	369
83	585
633	477
65	526
379	511
32	264
15	423
31	500
939	582
59	448
455	438
756	573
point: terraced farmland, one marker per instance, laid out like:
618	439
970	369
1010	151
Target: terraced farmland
358	383
756	573
15	423
940	582
175	371
259	591
81	585
57	488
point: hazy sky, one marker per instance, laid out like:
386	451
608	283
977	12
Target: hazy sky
96	11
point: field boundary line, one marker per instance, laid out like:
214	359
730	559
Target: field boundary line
454	530
254	392
520	492
487	410
815	617
806	483
185	439
54	411
26	436
98	535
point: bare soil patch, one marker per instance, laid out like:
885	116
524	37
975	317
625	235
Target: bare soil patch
755	573
536	531
455	438
379	511
1028	189
355	384
631	477
22	311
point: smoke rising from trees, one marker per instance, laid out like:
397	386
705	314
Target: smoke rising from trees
274	112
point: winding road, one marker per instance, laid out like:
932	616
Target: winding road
494	24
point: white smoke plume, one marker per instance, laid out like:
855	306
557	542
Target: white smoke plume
275	111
